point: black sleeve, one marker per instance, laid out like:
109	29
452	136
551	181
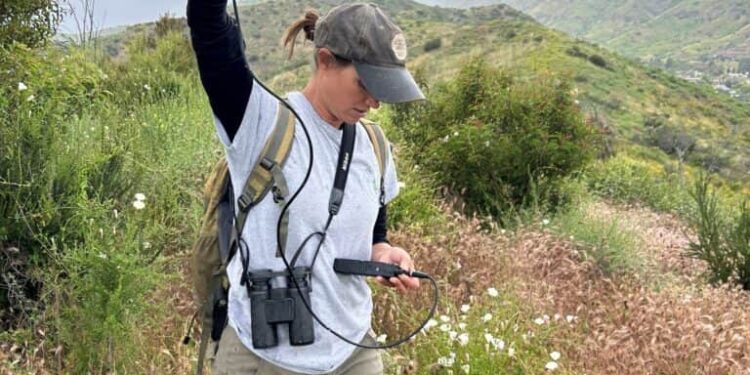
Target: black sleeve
380	231
219	50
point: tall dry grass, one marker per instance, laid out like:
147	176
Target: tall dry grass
628	328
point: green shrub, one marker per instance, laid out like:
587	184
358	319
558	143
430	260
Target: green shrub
30	22
598	61
495	142
722	241
613	248
79	137
576	52
433	44
629	180
98	291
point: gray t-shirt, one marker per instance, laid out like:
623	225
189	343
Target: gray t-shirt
344	303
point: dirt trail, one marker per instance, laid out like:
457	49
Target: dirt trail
679	327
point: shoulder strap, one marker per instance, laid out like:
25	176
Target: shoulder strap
266	174
380	145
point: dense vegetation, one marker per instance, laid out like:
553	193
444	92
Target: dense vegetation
496	142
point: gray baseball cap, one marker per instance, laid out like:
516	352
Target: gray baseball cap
363	34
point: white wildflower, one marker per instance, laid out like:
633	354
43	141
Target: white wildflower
570	318
463	339
452	335
147	87
445	318
487	317
146	245
466	368
545	221
492	292
22	86
486	143
117	214
465	308
489	337
557	317
140	197
445	327
455	134
511	351
102	255
550	366
401	185
431	323
30	98
555	356
539	321
445	139
499	344
381	338
139	205
446	361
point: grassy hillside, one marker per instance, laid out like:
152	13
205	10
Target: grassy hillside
648	111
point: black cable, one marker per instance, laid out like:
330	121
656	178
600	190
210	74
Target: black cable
278	234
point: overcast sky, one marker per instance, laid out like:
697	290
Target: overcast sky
110	13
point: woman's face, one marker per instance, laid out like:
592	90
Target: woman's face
344	95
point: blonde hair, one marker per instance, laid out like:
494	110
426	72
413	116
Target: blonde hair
305	23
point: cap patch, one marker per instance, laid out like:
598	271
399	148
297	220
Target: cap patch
398	44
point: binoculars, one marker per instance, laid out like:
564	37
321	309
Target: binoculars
271	306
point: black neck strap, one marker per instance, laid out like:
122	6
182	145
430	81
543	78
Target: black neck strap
342	168
346	151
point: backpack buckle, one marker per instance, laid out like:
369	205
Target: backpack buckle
245	201
278	195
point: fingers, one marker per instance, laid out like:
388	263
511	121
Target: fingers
402	283
409	282
382	281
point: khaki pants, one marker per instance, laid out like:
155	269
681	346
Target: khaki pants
233	358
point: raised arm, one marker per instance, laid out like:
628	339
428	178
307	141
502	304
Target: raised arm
224	71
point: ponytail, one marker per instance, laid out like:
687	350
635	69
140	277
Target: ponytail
305	23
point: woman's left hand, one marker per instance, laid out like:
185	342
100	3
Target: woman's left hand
383	252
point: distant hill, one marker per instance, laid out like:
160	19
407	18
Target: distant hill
708	35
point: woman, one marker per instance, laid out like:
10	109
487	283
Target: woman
359	62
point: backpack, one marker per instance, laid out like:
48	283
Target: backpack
213	250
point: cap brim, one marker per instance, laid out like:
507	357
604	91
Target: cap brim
389	84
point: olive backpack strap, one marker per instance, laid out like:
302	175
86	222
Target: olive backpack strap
264	177
381	147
